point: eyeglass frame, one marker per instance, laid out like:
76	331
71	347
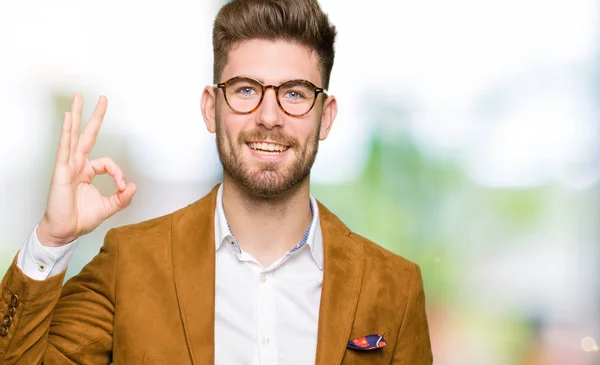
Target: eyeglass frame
223	85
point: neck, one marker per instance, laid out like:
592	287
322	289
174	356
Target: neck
267	228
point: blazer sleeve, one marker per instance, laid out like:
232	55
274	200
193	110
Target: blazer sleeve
413	346
59	325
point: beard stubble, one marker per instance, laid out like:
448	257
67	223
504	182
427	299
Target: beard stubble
269	179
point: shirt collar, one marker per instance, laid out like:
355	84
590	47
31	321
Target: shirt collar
314	238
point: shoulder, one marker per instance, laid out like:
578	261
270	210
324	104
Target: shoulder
160	228
147	228
374	255
147	235
380	264
380	261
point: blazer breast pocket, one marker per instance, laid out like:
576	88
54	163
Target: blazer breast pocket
364	360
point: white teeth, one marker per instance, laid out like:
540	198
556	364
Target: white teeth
268	147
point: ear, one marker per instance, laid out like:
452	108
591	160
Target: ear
208	106
330	110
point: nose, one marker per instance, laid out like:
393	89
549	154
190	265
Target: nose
269	114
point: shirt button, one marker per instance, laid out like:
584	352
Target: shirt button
11	311
265	340
3	331
263	278
42	267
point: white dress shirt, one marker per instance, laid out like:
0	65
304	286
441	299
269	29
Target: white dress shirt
263	315
41	262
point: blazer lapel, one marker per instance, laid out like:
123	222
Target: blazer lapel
193	250
342	278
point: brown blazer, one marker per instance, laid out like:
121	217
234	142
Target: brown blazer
148	298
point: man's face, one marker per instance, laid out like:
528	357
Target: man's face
267	151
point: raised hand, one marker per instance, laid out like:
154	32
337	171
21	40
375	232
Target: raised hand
75	206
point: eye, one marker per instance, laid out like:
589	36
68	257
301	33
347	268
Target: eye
294	95
246	91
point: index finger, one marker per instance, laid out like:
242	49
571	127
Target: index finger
64	144
88	136
76	120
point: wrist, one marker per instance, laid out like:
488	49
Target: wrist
47	239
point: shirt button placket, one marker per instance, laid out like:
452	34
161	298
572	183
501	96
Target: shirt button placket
266	323
261	314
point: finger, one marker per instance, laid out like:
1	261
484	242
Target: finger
88	136
64	143
107	165
76	120
120	200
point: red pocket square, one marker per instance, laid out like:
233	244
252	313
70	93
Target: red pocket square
370	342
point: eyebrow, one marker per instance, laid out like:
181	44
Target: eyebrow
262	81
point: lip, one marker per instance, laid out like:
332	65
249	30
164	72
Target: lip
274	157
268	141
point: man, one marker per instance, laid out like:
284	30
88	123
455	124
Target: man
257	271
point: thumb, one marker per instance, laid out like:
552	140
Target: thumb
120	200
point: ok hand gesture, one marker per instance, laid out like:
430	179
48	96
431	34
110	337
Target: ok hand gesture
75	206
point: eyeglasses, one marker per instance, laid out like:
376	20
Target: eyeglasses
296	98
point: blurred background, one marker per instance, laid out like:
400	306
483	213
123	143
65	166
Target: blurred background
467	140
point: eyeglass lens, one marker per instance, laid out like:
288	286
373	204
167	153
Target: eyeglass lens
295	97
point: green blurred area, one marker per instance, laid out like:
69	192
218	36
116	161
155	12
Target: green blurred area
424	209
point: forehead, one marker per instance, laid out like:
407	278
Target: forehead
272	62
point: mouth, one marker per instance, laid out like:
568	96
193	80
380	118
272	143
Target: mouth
267	148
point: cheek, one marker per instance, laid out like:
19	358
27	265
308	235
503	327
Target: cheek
310	130
230	126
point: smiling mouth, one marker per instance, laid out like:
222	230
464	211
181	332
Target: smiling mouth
267	148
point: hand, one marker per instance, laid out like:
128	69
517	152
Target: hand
75	206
